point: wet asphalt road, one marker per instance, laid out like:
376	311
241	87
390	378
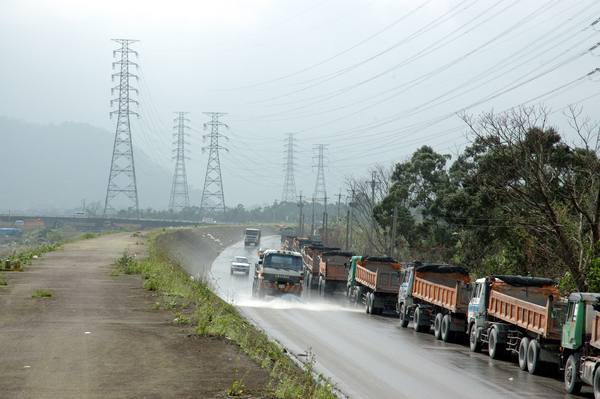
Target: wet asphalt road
372	356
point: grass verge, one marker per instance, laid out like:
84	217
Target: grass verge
211	316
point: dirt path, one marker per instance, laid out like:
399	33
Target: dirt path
97	337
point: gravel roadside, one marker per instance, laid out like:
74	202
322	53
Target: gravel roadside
97	337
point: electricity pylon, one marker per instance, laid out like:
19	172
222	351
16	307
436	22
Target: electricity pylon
179	191
213	184
122	170
289	186
320	191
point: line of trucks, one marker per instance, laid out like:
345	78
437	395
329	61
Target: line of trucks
503	314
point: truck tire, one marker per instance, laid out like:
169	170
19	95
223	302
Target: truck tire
369	303
495	348
260	291
523	349
403	316
572	381
418	320
474	342
597	384
254	292
437	326
534	364
446	333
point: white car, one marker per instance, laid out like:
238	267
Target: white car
240	264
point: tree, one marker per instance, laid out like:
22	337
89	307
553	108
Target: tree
418	187
549	190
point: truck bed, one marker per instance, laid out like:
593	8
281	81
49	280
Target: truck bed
378	277
333	269
528	314
455	298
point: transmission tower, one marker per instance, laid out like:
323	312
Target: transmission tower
213	184
289	186
320	191
122	170
179	192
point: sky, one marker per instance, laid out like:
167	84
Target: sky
371	80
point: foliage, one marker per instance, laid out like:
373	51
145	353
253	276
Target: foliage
39	293
2	280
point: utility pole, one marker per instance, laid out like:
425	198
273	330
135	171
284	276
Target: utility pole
179	191
213	184
393	243
301	218
289	186
338	204
122	170
373	183
347	229
352	205
312	223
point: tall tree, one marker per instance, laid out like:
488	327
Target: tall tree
548	189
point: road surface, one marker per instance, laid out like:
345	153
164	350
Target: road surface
370	356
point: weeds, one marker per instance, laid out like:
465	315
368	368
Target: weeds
214	317
237	388
3	280
40	293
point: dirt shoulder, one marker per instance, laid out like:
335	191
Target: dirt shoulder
97	337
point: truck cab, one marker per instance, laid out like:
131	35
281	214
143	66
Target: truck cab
252	237
580	342
278	272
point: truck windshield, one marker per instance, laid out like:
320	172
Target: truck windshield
287	262
251	233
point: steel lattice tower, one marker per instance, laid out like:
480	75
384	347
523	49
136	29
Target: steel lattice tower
289	186
122	170
213	184
179	192
320	191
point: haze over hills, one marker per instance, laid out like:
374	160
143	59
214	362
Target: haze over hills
54	168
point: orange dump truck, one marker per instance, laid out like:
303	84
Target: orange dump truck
435	296
333	271
518	314
310	258
373	281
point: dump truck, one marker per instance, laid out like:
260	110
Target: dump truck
581	342
333	271
310	258
279	272
252	237
373	281
434	295
517	314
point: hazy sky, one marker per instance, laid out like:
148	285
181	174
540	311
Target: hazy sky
373	80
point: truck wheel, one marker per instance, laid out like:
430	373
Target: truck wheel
418	319
446	333
368	303
534	364
260	292
254	288
474	342
437	326
597	384
321	287
523	349
572	381
495	349
403	316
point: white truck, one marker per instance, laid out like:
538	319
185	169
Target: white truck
252	237
279	272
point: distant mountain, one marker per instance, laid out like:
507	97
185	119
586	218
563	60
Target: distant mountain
54	168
